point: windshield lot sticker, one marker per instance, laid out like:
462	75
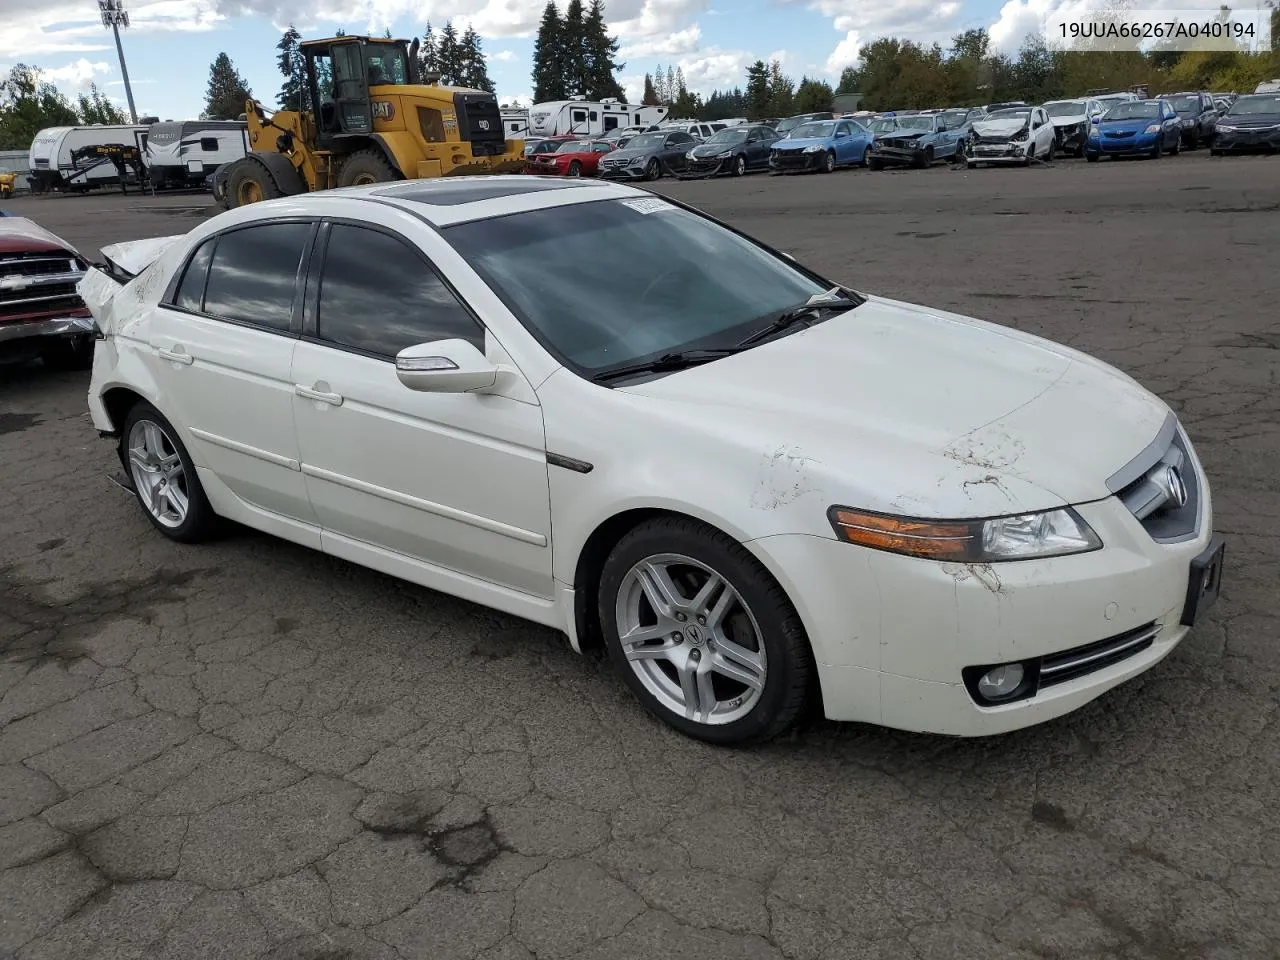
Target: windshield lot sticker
648	205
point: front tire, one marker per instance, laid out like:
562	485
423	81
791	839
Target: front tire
740	166
1052	148
249	182
364	167
652	170
575	169
701	633
828	162
164	478
875	164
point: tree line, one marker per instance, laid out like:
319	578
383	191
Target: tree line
29	104
574	55
769	93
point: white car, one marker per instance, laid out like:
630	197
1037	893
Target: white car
1071	122
754	485
1013	135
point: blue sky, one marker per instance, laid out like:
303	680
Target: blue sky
171	42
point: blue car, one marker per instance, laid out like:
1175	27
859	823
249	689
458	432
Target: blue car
1135	128
915	139
821	145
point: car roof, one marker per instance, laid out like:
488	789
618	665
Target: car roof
445	201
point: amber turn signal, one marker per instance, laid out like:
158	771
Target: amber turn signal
934	540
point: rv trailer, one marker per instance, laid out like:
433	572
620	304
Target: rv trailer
51	163
587	118
182	154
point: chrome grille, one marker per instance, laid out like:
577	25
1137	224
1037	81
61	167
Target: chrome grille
1082	661
1148	486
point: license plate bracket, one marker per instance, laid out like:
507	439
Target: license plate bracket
1205	583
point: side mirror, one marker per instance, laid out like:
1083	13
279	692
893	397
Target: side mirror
445	366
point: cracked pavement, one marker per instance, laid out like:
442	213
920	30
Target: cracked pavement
246	749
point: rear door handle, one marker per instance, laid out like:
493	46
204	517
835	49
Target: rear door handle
321	395
177	355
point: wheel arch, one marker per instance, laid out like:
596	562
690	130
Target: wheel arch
278	167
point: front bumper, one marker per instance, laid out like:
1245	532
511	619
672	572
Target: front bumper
903	155
629	172
794	161
61	326
1072	138
707	166
1123	146
1244	140
892	635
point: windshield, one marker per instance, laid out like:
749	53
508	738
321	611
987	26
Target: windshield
386	63
788	124
1185	104
646	141
676	279
1254	105
921	122
728	136
1066	108
575	146
954	118
827	129
884	125
1133	110
1018	113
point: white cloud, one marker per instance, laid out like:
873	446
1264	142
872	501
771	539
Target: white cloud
670	45
76	76
712	68
1020	18
34	30
845	54
505	56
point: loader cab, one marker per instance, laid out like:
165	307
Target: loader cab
340	72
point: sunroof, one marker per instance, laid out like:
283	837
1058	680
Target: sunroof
444	194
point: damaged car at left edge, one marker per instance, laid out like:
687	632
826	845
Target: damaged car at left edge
41	313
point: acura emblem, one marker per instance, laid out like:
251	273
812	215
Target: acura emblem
1175	486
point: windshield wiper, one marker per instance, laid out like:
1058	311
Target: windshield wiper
679	360
836	298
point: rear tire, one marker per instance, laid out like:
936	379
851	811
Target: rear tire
755	634
249	182
168	470
365	167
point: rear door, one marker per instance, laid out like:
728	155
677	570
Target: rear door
222	347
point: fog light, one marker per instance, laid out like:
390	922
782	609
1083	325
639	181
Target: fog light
1000	683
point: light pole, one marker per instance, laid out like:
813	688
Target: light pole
115	16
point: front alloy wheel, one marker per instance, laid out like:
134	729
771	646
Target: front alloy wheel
701	634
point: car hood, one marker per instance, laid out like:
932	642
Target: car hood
912	409
119	275
1126	126
1252	121
714	149
906	132
998	128
1069	121
20	235
630	154
792	143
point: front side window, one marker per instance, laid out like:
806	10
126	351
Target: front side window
676	279
254	274
379	296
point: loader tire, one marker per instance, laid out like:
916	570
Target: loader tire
366	166
249	182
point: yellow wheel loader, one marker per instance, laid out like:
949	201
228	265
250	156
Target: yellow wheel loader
372	117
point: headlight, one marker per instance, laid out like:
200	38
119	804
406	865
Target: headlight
813	148
1154	128
1020	135
724	156
1050	533
690	156
1223	128
911	144
637	161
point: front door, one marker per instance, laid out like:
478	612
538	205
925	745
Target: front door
222	353
457	481
351	88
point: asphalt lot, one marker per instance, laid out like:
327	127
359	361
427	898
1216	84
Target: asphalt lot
246	749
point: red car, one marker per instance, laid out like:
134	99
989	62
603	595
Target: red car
576	158
41	313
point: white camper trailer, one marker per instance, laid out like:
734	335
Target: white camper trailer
588	118
51	150
182	154
515	122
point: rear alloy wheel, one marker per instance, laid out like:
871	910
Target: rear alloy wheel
575	169
739	165
701	633
164	478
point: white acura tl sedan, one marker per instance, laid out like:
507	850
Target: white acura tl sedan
606	412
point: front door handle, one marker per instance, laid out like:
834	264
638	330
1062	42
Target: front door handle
322	395
177	355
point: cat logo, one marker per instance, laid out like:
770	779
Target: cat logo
483	124
383	110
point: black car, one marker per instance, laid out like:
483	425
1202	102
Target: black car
1252	123
733	150
1198	114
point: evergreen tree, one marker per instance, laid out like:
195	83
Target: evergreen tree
650	98
575	49
449	54
601	57
227	92
813	96
660	85
28	105
96	108
292	95
670	89
428	54
849	81
475	72
757	91
781	92
548	58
